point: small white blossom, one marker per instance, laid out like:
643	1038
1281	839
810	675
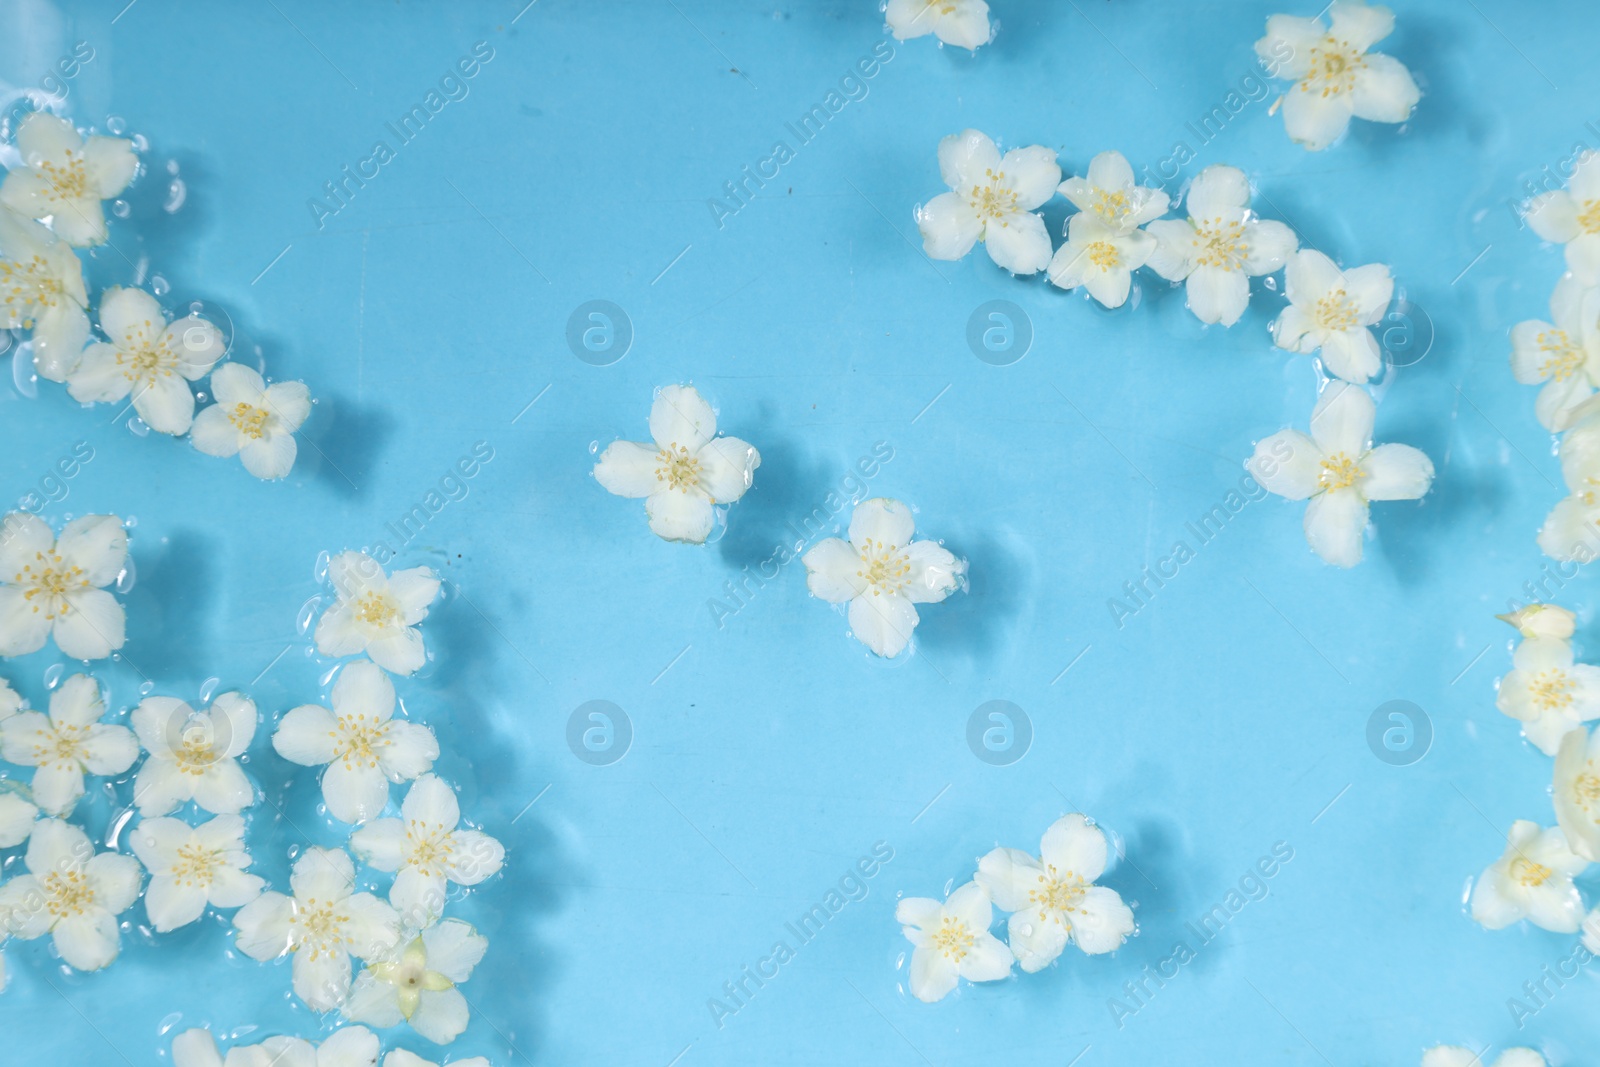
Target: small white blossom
1541	620
1571	217
377	613
952	941
192	866
1575	790
1533	881
1339	470
1111	194
1100	259
71	893
1336	77
252	420
67	744
63	178
41	289
685	471
993	200
1220	246
1563	353
146	357
1548	693
963	23
1333	311
882	574
53	586
194	754
417	983
426	850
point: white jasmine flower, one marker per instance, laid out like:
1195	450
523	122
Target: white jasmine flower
1570	530
17	815
952	940
1338	470
1456	1056
417	983
194	754
377	613
1576	792
364	746
323	924
67	744
352	1046
1220	246
1533	881
71	893
52	586
1110	194
1100	259
685	472
992	199
147	357
1571	217
1547	693
252	420
401	1058
41	289
1335	77
1564	354
963	23
427	850
882	574
1053	899
191	867
1541	620
1332	310
63	177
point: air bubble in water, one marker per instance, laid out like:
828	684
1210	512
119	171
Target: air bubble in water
159	285
138	427
207	688
308	611
127	577
53	673
121	209
22	375
116	125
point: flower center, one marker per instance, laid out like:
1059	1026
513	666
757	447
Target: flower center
27	288
885	567
1112	207
145	356
69	179
196	751
358	738
47	581
677	468
1221	244
249	420
1335	311
410	976
1586	789
196	866
428	847
67	893
1057	894
954	939
1339	471
1589	217
1529	873
1104	254
1334	65
996	200
1551	690
62	744
1563	358
376	609
318	928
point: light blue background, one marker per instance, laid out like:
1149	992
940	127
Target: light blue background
771	753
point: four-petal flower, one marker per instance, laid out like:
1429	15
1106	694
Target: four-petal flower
146	356
427	850
417	983
64	177
1563	353
952	941
252	420
192	866
1548	693
41	289
67	744
194	755
993	200
377	613
1331	310
963	23
72	893
1571	217
52	586
1533	881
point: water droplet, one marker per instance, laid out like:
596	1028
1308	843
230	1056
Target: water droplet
116	125
327	678
594	446
52	675
169	1022
207	688
319	570
307	612
159	285
128	576
1271	284
172	166
146	688
141	143
121	208
177	193
22	375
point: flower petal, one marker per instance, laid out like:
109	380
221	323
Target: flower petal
1270	244
454	949
966	158
1217	294
726	468
87	940
441	1016
307	735
1342	420
380	844
93	626
1037	938
1033	174
1075	847
934	572
1219	192
353	792
1396	472
932	976
883	521
165	403
1286	48
1334	524
1019	243
680	515
883	623
432	802
172	902
628	469
363	689
263	926
681	418
833	571
1384	90
1007	875
1352	355
949	227
1315	121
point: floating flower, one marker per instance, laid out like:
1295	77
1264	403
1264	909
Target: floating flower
1533	881
71	893
1541	620
146	356
1576	792
1053	899
1571	217
963	23
1456	1056
67	744
427	850
191	867
401	1058
1572	529
1339	471
1100	259
252	420
1332	310
323	925
63	178
364	746
1111	195
882	574
952	941
52	586
1335	77
1220	246
377	613
1547	693
687	470
991	200
41	289
417	983
1564	354
17	815
194	754
352	1046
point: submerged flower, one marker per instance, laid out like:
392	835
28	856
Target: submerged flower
1332	310
191	867
1571	217
963	23
377	613
41	289
323	924
194	754
148	358
1575	790
52	586
882	574
351	1046
1533	881
1335	77
1100	259
71	893
64	178
1053	899
252	420
1563	353
1339	470
426	850
1541	620
952	941
364	746
1111	195
992	200
1548	693
685	472
1456	1056
67	744
417	983
1220	246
